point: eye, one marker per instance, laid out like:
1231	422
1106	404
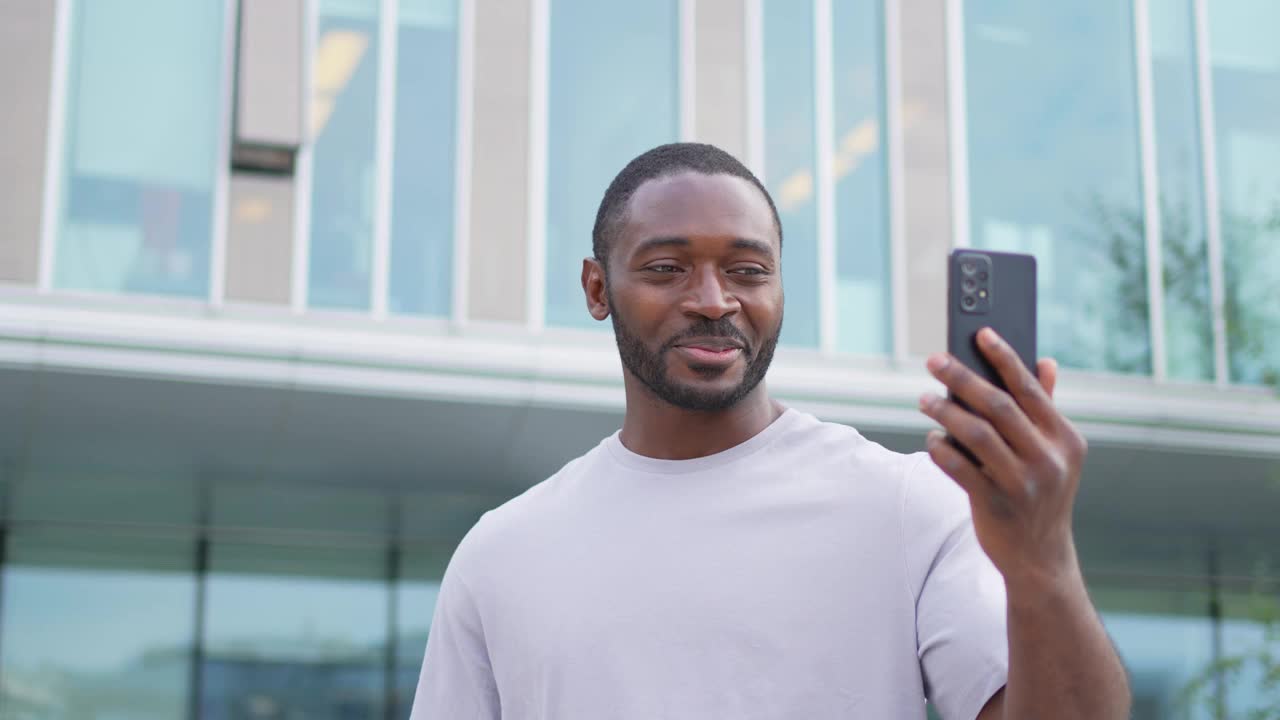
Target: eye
750	271
663	269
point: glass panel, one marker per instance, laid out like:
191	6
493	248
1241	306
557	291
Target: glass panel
1054	168
142	131
421	569
1165	637
422	213
612	94
1187	304
1246	93
343	124
864	320
126	655
1251	648
790	158
295	632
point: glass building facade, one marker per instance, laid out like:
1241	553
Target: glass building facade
1134	148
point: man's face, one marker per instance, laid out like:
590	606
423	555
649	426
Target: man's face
695	289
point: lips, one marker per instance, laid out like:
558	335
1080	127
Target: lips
711	351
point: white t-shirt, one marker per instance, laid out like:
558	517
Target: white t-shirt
807	573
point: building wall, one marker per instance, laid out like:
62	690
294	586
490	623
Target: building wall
254	325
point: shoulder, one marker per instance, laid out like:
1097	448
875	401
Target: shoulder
510	524
845	449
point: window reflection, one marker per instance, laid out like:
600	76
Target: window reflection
295	633
422	213
790	158
862	218
612	94
1246	93
1187	305
421	569
124	654
343	124
1165	638
141	145
1054	168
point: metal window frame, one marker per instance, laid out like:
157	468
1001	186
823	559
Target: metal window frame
539	69
384	137
958	124
1212	200
1152	222
824	172
464	99
895	175
754	64
688	12
55	141
218	226
305	171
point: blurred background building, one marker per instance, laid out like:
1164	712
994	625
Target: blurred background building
290	297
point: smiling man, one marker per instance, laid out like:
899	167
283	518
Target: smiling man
723	556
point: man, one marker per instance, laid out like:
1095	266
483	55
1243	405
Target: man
723	556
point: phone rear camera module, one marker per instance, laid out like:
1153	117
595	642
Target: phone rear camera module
968	302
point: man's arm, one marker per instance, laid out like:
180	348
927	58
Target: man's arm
1061	662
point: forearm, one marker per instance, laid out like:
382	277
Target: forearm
1061	661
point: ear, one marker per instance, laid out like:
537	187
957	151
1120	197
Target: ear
593	286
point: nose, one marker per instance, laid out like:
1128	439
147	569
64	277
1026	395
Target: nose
707	295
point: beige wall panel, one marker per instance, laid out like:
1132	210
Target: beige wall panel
720	75
26	61
926	179
269	72
500	162
260	239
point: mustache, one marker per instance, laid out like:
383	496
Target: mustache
707	328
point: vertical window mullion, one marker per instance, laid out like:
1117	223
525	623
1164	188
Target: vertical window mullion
384	141
1212	207
1150	189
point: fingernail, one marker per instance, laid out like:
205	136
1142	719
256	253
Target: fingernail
927	401
988	336
937	361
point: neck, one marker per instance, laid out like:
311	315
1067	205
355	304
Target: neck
654	428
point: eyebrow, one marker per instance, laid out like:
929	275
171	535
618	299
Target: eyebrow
740	243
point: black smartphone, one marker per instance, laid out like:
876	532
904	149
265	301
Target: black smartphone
996	290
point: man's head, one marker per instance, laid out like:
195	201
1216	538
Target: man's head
687	263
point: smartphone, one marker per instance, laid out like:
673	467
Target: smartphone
996	290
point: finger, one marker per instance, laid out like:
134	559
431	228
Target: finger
953	462
997	458
1022	385
990	402
1047	372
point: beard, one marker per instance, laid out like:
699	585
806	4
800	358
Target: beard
650	367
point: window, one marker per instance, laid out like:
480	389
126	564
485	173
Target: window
612	94
1246	102
343	127
125	653
141	145
1054	168
1179	166
295	632
422	183
863	311
790	158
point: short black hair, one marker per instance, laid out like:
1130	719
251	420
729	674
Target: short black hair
659	162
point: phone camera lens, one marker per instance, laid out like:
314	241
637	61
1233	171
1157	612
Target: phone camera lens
968	302
968	284
982	276
969	267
